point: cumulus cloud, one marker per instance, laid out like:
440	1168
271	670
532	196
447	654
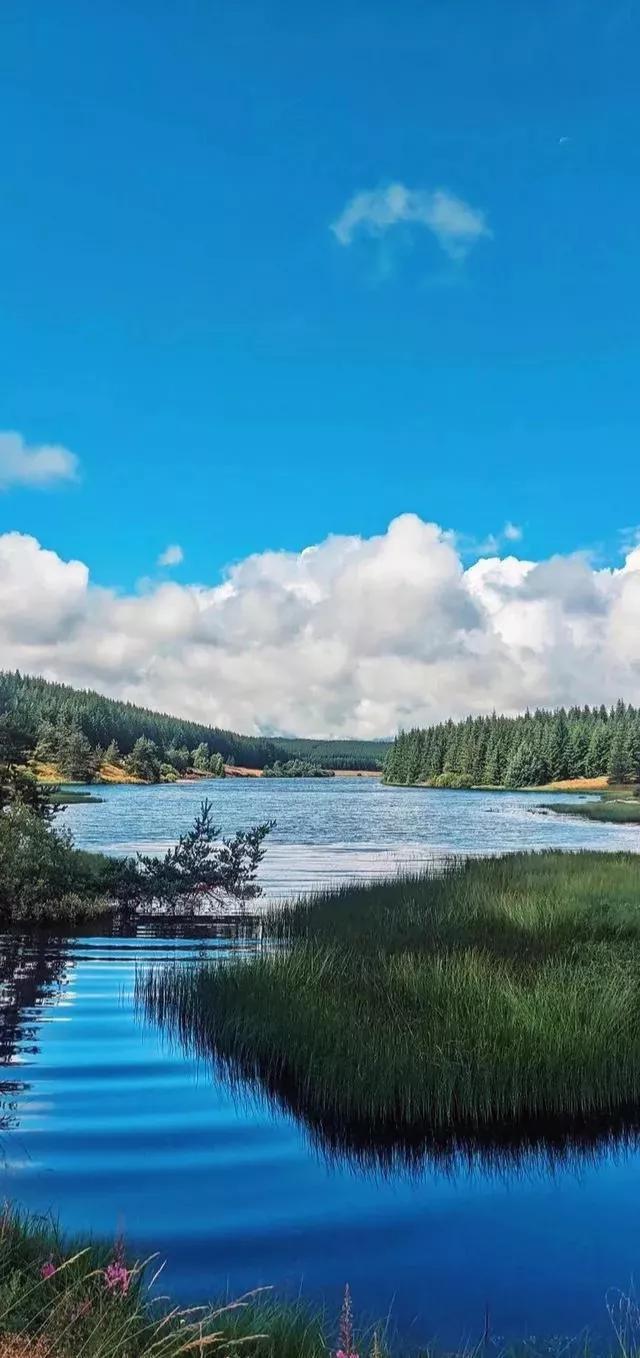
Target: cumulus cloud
171	556
40	465
455	225
351	636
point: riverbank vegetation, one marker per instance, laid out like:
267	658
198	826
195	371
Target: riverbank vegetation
608	810
80	1299
45	879
528	751
492	993
62	1297
297	768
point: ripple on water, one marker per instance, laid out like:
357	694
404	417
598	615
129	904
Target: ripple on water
108	1122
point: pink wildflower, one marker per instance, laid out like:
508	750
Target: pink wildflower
117	1277
347	1344
48	1269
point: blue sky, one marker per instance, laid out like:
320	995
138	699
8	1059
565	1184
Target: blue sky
177	311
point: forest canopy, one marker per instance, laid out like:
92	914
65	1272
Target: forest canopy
526	751
77	730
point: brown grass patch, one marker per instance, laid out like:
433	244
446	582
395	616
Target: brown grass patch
21	1346
576	785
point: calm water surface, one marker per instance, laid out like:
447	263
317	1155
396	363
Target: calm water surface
108	1123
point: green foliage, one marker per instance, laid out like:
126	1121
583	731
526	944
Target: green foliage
204	762
94	1301
200	868
144	760
522	751
297	768
74	756
17	784
179	758
54	716
41	704
349	755
501	990
42	877
608	810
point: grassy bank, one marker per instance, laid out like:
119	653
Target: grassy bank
610	810
65	1298
505	990
67	797
77	1299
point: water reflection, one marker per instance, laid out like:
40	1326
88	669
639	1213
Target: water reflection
115	1125
388	1149
36	973
32	974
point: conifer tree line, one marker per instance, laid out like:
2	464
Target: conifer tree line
79	730
526	751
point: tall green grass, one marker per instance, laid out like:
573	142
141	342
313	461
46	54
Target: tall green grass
621	811
503	992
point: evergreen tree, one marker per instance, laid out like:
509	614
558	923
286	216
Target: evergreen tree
632	751
200	758
75	757
618	769
597	760
144	761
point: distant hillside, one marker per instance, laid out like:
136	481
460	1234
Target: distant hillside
46	708
338	754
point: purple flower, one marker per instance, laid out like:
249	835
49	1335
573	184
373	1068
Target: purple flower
347	1345
117	1277
48	1269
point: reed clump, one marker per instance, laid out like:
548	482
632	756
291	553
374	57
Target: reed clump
495	992
611	811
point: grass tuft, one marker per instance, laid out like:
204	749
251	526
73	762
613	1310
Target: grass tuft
501	994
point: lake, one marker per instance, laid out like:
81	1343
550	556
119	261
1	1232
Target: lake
107	1122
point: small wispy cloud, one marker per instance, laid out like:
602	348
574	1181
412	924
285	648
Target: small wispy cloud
39	465
512	531
171	556
455	224
492	544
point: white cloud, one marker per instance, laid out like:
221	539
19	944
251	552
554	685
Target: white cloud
172	555
512	531
455	225
352	636
40	465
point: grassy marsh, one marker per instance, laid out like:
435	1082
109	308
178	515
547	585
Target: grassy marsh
612	811
503	992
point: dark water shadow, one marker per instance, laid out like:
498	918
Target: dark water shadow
393	1147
